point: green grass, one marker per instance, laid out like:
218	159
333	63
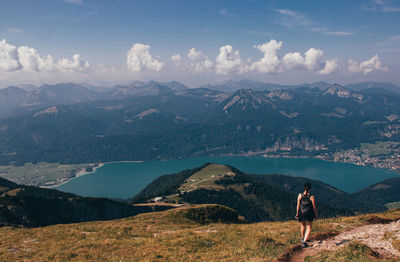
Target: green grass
368	123
206	177
37	174
378	148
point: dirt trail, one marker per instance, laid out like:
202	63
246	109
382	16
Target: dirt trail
370	235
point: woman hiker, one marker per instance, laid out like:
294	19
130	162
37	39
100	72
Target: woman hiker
306	213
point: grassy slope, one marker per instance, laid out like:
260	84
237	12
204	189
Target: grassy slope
165	236
33	206
324	193
387	191
206	178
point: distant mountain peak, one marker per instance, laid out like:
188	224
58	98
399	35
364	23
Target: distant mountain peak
12	90
343	92
320	84
245	98
281	94
136	84
139	88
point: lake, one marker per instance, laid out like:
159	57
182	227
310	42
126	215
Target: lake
126	179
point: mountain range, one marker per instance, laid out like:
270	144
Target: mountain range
14	99
72	123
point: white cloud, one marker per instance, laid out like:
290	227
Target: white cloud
28	59
354	67
176	58
270	62
103	69
330	67
79	2
291	18
194	55
31	60
381	6
14	30
312	59
8	57
139	58
75	65
194	62
390	9
293	60
372	65
338	33
228	60
225	12
198	61
202	66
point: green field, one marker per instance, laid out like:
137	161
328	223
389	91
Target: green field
368	123
40	174
206	177
378	148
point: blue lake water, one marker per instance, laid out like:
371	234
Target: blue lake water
124	180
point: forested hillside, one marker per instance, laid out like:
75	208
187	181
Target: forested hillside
149	121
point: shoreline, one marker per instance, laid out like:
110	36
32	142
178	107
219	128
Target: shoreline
124	161
83	172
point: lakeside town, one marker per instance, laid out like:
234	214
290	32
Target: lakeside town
381	154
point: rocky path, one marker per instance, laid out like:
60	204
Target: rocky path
375	236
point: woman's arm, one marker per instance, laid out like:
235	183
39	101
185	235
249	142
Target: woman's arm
298	206
312	198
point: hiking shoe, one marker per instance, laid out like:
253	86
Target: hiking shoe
304	244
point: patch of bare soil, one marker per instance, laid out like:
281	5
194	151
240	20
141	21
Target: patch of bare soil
372	235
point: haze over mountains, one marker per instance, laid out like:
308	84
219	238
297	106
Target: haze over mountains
71	123
14	99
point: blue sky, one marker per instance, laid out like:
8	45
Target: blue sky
199	41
